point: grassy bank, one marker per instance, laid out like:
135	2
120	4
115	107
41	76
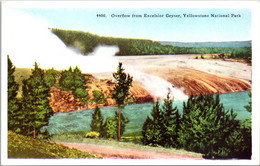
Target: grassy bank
131	140
20	146
79	136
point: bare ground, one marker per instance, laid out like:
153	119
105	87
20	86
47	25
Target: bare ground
194	76
213	66
128	153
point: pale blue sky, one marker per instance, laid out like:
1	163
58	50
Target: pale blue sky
162	29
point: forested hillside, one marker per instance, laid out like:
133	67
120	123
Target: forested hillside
237	44
85	42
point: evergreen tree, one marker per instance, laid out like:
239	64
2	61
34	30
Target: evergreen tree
170	124
79	79
244	144
14	112
163	128
121	91
249	106
98	97
35	103
50	77
67	80
246	133
152	128
207	128
74	80
97	121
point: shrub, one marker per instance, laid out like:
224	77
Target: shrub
92	134
111	126
81	94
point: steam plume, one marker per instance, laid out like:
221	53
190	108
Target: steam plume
27	39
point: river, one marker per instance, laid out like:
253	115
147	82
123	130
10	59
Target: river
137	113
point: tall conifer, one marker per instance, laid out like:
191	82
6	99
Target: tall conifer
97	120
35	103
14	112
170	124
152	128
121	91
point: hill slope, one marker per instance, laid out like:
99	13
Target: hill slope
85	42
20	146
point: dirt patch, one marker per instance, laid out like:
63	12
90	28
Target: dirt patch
127	153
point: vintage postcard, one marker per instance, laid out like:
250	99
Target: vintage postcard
112	82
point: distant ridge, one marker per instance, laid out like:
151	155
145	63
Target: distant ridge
236	44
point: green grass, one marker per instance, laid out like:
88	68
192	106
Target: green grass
130	140
78	136
20	146
134	137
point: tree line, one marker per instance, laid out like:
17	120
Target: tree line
30	115
204	127
85	42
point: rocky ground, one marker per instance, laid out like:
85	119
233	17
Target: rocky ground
191	75
194	76
64	101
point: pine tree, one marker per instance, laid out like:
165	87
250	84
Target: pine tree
36	108
79	79
97	121
249	106
67	80
50	77
74	80
98	97
207	128
152	128
170	124
246	133
14	110
121	91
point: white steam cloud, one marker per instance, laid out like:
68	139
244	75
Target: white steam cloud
27	39
158	87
